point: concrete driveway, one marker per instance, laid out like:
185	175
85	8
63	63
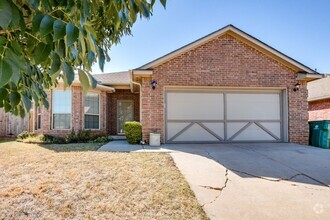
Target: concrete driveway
257	181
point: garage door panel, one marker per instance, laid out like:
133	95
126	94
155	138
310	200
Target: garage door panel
253	106
217	128
195	133
253	133
190	106
234	127
173	128
273	127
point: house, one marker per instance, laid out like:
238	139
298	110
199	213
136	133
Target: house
319	99
225	87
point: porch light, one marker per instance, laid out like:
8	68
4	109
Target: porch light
296	87
153	84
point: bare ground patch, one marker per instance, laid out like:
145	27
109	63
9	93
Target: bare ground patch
38	183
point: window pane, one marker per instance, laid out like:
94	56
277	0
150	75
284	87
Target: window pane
62	121
39	122
91	122
62	101
92	103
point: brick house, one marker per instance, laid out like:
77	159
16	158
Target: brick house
319	99
225	87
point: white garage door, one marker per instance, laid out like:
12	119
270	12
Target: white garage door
223	116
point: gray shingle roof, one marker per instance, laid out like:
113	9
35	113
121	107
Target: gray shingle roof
117	78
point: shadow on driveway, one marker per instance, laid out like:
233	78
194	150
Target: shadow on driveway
269	161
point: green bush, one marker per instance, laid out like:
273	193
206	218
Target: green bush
102	139
84	135
47	138
71	137
25	134
133	132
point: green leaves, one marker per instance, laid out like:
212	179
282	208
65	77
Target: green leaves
92	79
14	98
46	25
55	38
56	63
59	30
72	33
36	22
5	72
68	71
163	3
3	95
83	78
5	14
27	103
101	58
41	52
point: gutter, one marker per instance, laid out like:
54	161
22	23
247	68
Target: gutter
98	86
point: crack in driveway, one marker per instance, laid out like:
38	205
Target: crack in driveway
217	188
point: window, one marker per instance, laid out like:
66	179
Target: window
38	119
61	109
91	110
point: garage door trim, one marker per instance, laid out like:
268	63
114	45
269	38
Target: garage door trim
225	121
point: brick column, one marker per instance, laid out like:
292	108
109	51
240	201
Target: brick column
146	105
298	115
77	108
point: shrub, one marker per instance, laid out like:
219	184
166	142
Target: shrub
84	135
102	139
47	138
25	134
71	137
133	132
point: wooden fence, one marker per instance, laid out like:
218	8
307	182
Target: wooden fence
11	125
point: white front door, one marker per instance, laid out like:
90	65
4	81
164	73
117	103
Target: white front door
223	116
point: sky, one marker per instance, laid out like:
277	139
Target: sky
297	28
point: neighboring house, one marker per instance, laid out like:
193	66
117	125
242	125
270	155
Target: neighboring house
225	87
319	99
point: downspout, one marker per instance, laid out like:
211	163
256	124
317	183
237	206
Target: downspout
140	87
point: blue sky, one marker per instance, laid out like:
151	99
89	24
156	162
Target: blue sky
298	28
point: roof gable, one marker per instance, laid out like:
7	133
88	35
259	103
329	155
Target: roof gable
239	34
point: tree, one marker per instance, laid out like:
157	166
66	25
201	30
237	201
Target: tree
42	41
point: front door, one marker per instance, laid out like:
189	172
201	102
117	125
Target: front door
124	113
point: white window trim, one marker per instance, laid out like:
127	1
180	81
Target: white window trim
61	129
93	129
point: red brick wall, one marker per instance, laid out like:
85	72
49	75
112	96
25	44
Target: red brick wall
77	111
319	110
228	62
121	94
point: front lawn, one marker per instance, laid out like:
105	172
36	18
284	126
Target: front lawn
45	182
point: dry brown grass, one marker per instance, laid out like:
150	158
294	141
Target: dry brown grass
38	183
